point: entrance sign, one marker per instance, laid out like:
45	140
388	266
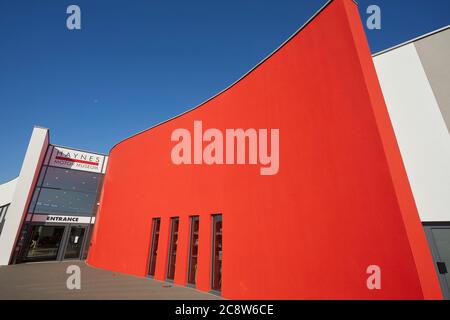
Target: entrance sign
62	219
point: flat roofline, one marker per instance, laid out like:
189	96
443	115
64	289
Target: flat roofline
320	10
426	35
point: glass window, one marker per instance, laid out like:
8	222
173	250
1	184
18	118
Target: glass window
66	192
41	176
441	238
87	245
217	253
73	180
193	250
21	243
52	201
3	211
33	200
154	246
174	223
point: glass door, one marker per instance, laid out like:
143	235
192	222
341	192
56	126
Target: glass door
439	240
44	243
75	242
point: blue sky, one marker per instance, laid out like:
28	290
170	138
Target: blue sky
136	63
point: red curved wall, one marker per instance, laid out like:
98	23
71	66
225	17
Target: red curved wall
339	203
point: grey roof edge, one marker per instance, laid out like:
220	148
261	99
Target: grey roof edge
303	26
9	180
426	35
41	127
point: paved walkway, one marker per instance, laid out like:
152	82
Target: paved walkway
48	281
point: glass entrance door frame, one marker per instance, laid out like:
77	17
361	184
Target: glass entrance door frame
67	240
428	227
64	239
28	242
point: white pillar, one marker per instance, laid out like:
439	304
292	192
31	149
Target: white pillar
15	217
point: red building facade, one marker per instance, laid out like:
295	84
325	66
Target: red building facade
339	201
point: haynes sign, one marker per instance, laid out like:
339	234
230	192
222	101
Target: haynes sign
77	160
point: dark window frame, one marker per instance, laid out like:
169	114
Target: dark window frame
192	220
216	218
171	248
156	224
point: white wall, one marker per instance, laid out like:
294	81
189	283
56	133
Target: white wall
23	191
7	191
420	129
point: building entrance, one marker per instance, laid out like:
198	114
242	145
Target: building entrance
44	243
74	244
56	242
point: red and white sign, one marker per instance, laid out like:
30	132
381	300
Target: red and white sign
78	160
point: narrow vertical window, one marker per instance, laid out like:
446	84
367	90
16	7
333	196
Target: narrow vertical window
174	223
154	246
216	280
193	250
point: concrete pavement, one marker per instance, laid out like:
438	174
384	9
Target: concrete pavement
48	281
